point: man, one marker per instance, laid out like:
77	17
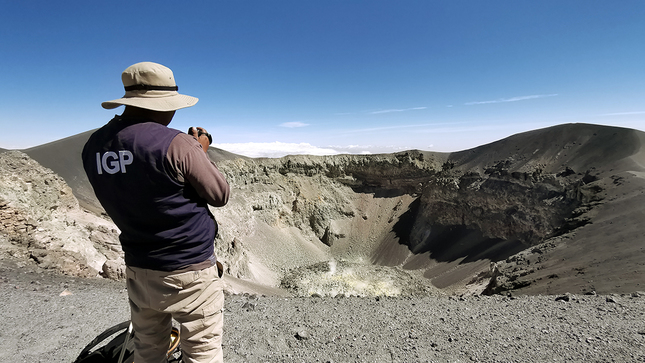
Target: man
156	184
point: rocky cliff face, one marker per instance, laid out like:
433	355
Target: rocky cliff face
41	221
297	211
515	209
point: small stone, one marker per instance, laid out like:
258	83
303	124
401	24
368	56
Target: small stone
302	335
563	298
249	306
114	269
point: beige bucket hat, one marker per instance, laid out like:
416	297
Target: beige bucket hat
151	86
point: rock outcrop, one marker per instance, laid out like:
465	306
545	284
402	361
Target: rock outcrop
41	220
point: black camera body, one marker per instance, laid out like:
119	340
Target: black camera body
200	133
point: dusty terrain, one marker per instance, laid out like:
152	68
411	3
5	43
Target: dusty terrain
50	318
381	258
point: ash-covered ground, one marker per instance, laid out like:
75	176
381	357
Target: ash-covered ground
50	318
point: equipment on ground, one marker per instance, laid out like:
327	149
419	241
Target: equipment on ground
120	349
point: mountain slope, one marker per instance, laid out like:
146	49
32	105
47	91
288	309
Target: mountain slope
64	158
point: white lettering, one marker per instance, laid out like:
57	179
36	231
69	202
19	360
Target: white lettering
125	158
112	163
113	166
98	163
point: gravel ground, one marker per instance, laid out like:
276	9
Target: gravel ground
50	318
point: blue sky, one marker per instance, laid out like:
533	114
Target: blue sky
276	77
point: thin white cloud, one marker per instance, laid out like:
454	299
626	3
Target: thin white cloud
292	125
274	149
625	113
396	127
379	111
397	110
512	99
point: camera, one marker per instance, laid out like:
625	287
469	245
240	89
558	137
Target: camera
200	133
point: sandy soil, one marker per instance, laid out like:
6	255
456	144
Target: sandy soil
50	318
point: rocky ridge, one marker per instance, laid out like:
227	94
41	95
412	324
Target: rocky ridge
41	221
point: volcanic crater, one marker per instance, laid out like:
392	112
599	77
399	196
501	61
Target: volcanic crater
547	211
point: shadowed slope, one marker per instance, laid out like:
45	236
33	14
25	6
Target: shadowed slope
546	188
577	146
64	158
601	245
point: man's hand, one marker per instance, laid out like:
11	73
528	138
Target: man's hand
202	136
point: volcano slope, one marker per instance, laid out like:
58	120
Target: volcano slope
549	211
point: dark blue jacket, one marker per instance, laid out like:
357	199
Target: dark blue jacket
164	224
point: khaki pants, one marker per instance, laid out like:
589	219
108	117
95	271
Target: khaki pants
194	298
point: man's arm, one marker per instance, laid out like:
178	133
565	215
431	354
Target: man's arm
191	164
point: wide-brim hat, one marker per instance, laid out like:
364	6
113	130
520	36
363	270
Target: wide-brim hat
151	86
